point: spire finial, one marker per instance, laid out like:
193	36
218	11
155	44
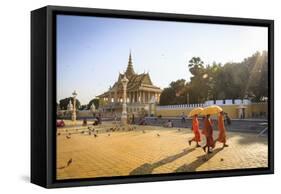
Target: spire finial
130	58
130	70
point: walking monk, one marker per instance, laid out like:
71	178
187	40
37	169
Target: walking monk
222	135
195	129
208	132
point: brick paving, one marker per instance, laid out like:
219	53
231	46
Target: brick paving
150	150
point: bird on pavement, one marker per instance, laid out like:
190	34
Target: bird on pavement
69	162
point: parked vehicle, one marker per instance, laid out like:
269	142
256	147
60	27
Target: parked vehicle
60	123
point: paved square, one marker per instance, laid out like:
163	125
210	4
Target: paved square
149	150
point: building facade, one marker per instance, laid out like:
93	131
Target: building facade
142	95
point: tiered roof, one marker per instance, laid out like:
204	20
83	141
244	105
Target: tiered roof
136	81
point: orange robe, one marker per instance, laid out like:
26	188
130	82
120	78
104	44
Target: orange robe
195	129
208	132
222	136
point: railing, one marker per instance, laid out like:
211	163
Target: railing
180	106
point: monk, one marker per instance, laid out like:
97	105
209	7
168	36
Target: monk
208	132
222	135
195	129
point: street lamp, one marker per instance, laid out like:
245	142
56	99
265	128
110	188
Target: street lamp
124	82
73	118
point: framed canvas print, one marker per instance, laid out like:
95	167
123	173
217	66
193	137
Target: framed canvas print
125	96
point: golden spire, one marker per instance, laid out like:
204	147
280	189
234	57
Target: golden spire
130	70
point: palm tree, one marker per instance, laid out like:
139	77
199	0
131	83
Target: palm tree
195	65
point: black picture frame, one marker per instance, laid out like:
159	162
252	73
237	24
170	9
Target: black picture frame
43	95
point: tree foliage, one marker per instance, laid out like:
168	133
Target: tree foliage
64	103
94	101
247	79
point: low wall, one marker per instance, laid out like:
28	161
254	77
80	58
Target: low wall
254	110
239	125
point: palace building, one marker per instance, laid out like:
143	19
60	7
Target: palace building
142	95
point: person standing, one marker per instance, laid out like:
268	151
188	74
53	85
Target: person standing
195	129
208	132
222	132
182	117
133	118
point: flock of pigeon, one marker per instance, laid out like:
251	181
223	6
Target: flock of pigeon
92	131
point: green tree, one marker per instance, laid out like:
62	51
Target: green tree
95	101
175	93
246	79
196	65
257	83
199	86
63	103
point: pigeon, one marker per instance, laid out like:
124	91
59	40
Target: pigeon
109	134
222	159
68	137
69	162
58	134
95	135
158	135
82	132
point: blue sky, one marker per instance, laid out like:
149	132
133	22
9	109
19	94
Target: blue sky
91	51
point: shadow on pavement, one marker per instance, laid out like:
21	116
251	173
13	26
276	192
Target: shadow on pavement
148	168
247	140
200	160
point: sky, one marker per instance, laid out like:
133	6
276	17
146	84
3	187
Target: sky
91	51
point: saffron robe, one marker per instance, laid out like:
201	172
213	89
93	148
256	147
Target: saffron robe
195	129
208	132
222	135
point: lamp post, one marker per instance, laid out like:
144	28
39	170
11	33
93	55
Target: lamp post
73	116
124	82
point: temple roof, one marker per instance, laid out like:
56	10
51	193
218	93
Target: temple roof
136	81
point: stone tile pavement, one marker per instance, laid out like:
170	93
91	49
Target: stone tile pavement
149	150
